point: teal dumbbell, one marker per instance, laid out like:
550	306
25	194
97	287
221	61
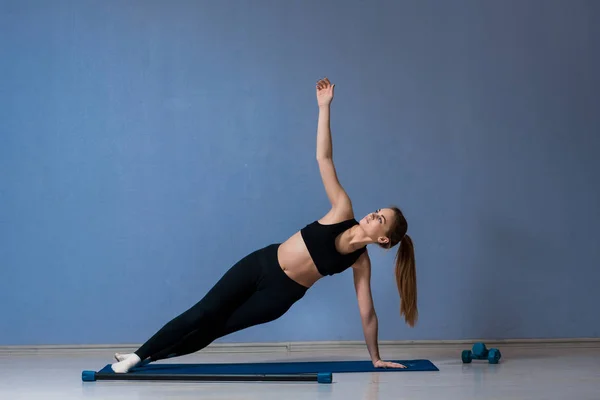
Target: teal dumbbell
480	352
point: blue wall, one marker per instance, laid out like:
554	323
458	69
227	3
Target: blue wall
146	146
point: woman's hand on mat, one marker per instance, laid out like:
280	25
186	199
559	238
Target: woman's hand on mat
387	364
324	92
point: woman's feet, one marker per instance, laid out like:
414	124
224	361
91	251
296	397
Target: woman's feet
126	362
122	356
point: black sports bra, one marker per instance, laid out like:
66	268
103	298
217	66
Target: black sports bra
320	241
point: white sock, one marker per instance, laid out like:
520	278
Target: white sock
122	367
122	356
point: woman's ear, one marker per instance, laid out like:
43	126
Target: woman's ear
383	240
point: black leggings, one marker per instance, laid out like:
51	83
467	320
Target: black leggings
254	291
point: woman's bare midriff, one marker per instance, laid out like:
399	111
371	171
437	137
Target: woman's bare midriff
296	262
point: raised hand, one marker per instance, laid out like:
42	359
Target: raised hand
324	92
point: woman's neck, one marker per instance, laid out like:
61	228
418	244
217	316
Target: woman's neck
358	238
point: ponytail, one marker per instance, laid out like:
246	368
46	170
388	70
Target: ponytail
406	279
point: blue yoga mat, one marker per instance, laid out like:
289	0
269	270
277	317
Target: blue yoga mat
277	367
311	371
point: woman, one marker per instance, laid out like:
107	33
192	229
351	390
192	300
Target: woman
266	283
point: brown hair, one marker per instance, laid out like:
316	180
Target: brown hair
406	275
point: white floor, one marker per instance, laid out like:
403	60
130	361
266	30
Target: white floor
525	372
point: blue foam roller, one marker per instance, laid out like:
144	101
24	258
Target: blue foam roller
88	376
324	377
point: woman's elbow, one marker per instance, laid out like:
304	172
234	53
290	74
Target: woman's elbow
368	315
